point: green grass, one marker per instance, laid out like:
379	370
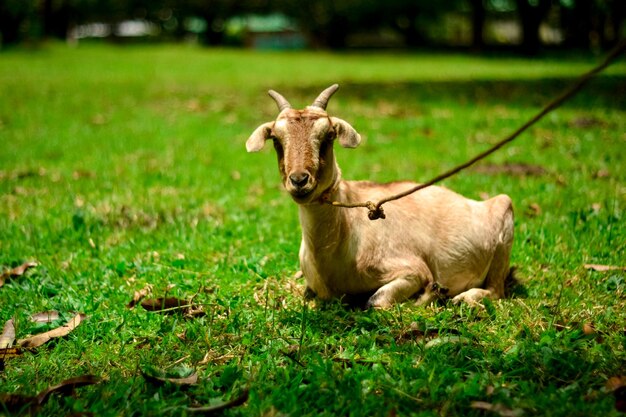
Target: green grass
121	167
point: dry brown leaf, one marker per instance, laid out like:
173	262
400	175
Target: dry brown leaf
602	173
8	334
617	385
588	329
160	380
533	210
172	305
8	353
413	333
584	122
45	317
41	338
496	408
213	409
67	387
195	311
213	357
162	304
139	295
604	268
616	382
15	403
17	271
521	169
18	402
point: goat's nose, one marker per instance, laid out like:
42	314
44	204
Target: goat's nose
299	179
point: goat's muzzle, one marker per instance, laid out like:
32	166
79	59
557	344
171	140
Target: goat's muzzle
299	179
301	185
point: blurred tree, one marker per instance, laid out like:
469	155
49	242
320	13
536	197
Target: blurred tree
327	23
216	12
478	23
15	16
531	14
592	23
412	18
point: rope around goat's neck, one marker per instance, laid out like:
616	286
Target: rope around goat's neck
375	210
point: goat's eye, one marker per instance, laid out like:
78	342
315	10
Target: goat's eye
330	135
324	147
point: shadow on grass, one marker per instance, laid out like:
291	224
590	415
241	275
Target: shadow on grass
604	91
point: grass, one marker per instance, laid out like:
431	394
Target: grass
122	167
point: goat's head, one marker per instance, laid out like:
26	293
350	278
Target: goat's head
303	140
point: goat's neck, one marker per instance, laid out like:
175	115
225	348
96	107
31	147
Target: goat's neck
322	222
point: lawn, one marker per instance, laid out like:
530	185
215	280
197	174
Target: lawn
125	167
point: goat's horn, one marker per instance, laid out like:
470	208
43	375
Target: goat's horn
322	100
280	100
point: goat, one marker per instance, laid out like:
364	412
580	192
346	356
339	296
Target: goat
434	243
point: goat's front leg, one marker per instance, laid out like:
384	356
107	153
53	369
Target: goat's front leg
474	296
406	284
396	291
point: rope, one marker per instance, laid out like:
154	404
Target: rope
376	210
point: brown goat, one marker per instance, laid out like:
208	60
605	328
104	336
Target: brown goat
433	243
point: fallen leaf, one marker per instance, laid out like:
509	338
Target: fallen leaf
161	304
617	385
45	317
8	334
583	122
16	272
8	353
604	268
616	382
67	387
171	305
195	311
414	333
588	329
602	173
213	409
497	408
520	170
446	339
159	377
82	173
139	295
533	210
41	338
19	402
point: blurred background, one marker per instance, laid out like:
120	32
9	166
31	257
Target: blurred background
525	26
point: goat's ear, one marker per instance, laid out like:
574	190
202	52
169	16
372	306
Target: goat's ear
256	141
348	137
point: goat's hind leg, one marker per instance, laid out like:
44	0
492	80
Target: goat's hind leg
499	269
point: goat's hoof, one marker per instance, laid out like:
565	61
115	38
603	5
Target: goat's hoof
470	302
309	294
377	303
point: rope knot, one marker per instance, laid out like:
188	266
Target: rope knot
375	211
